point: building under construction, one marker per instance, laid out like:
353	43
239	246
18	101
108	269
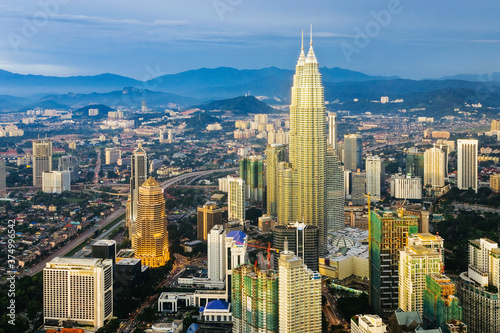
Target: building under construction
254	300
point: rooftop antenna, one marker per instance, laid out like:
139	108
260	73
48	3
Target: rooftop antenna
302	39
311	36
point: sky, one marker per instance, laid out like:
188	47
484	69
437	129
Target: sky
144	39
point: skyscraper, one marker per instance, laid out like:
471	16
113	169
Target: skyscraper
467	164
375	176
79	290
434	167
299	295
307	153
69	163
332	130
358	188
302	239
415	163
254	300
138	175
151	236
389	233
208	216
252	172
216	253
42	160
445	147
3	177
275	153
335	198
235	255
56	181
236	199
353	152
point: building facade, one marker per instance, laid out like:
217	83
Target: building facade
353	152
367	324
138	175
302	240
375	176
467	164
236	199
434	167
275	153
216	252
42	160
252	172
406	187
208	216
56	181
79	290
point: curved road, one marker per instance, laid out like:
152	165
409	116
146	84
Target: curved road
110	218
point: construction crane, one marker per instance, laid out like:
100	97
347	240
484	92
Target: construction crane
369	197
269	249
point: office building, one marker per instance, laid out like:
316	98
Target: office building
151	235
208	216
3	177
252	172
112	155
42	160
441	307
375	176
138	175
358	188
56	181
79	290
236	199
254	300
104	249
299	295
275	153
353	152
332	130
69	163
216	252
307	152
288	205
467	164
406	187
129	272
367	324
302	240
446	148
478	287
434	168
335	198
415	262
415	163
495	183
389	233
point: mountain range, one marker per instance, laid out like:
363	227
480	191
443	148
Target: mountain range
202	86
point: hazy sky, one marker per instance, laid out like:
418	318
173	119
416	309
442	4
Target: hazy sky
141	39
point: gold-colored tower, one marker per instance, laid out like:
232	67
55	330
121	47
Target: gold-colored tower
151	236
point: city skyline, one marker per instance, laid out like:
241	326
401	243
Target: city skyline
247	35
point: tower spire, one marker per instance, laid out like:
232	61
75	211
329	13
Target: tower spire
302	40
311	35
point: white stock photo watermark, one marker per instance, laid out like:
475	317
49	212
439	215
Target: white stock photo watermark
31	25
223	6
11	279
363	36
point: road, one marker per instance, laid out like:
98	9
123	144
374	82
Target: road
74	243
80	253
331	310
480	208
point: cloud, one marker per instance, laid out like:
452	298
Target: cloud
108	20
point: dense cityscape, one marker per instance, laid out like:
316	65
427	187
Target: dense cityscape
312	200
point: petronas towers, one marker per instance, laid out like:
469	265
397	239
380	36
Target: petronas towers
302	181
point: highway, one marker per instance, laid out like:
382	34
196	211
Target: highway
108	219
331	310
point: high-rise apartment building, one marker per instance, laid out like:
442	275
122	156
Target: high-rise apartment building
3	177
406	187
56	181
275	153
79	290
302	240
446	148
495	125
434	167
389	233
467	164
441	307
335	198
415	262
353	152
252	172
112	155
478	288
495	183
138	175
236	199
254	300
216	253
151	235
306	181
367	324
235	255
375	175
299	295
208	216
42	160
